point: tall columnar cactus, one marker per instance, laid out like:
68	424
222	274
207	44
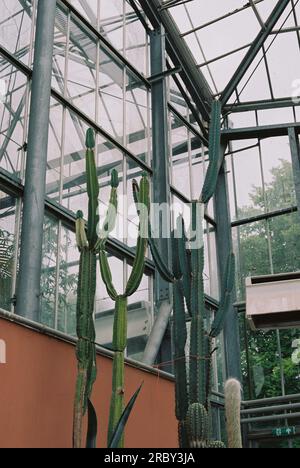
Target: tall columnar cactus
86	241
233	402
193	373
89	242
120	319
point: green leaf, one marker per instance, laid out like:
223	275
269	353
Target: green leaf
118	434
91	440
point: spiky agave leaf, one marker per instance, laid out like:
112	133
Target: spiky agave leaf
120	428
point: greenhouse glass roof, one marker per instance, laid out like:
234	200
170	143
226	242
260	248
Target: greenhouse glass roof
221	33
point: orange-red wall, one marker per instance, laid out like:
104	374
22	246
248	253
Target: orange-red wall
37	388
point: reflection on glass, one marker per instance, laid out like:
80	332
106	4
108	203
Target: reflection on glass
54	151
105	306
49	272
7	249
68	280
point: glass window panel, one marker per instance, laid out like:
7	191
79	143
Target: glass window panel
248	182
199	157
88	9
82	75
68	282
140	318
105	307
13	90
7	248
136	47
112	22
278	174
285	242
180	157
60	49
111	95
137	121
53	177
251	241
49	272
15	28
74	176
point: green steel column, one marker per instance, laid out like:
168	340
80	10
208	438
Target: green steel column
28	286
161	186
224	245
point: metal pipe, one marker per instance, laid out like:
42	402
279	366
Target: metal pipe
28	288
271	418
266	401
157	333
269	409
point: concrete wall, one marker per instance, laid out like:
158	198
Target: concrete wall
37	388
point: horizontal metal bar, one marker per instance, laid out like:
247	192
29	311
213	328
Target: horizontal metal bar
15	62
264	216
220	18
227	54
261	105
265	131
161	76
270	409
267	401
14	188
66	103
277	417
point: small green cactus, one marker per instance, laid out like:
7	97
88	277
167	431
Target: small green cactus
197	425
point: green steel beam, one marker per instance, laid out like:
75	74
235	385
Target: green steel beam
261	105
181	56
224	246
265	131
253	51
161	195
